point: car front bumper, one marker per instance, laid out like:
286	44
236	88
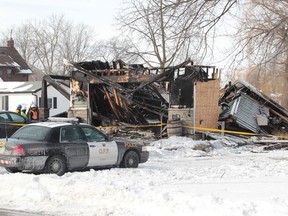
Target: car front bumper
144	156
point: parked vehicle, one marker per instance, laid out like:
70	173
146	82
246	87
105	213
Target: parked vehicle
58	147
10	122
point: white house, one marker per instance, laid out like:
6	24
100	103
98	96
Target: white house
26	93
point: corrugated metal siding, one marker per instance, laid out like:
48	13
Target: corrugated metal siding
245	110
242	83
246	113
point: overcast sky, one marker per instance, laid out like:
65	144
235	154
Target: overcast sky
98	14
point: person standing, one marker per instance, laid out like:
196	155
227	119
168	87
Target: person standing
18	109
23	112
33	113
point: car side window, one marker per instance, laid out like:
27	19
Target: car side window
93	135
17	118
71	135
4	117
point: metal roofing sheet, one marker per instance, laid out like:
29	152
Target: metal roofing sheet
245	111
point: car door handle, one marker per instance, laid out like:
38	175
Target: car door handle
92	146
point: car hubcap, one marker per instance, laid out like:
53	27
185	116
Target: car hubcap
55	166
130	161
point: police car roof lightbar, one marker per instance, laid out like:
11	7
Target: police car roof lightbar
63	119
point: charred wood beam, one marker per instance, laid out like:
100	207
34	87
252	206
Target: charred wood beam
164	74
280	115
159	95
62	77
57	86
111	103
159	113
147	104
104	80
116	96
145	97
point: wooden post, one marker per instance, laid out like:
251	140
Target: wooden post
43	109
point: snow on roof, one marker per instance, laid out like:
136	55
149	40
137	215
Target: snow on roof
25	71
11	57
20	86
6	60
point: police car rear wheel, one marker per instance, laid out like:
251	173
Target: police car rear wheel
12	170
130	160
57	165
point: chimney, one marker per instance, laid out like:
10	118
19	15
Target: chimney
10	43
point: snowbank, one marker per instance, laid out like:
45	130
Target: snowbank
182	177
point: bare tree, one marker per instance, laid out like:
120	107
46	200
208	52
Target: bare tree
76	42
164	32
114	49
45	43
263	44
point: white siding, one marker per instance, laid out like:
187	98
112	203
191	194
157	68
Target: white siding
24	99
62	103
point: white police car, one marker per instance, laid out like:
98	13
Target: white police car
58	147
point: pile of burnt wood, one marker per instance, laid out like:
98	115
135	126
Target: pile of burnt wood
130	94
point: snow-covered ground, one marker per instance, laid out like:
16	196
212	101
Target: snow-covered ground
177	180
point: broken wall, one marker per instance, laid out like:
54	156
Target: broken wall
207	108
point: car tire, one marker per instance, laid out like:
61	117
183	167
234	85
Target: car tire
12	170
130	160
56	165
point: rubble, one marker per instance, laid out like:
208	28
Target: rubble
244	108
132	95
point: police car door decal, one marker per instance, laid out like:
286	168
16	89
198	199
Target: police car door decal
102	153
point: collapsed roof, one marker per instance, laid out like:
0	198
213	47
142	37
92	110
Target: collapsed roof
246	108
131	94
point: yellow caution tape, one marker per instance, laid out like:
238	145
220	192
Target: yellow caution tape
13	124
175	125
130	126
220	131
194	127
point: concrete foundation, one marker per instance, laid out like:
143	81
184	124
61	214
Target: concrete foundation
186	115
80	112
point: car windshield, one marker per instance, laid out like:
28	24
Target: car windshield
31	132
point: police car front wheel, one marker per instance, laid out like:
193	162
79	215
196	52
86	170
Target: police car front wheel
130	160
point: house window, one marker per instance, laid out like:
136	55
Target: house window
1	73
55	102
9	73
4	102
51	102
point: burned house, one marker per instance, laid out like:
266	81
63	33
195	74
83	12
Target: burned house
135	95
244	108
119	94
105	96
194	95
